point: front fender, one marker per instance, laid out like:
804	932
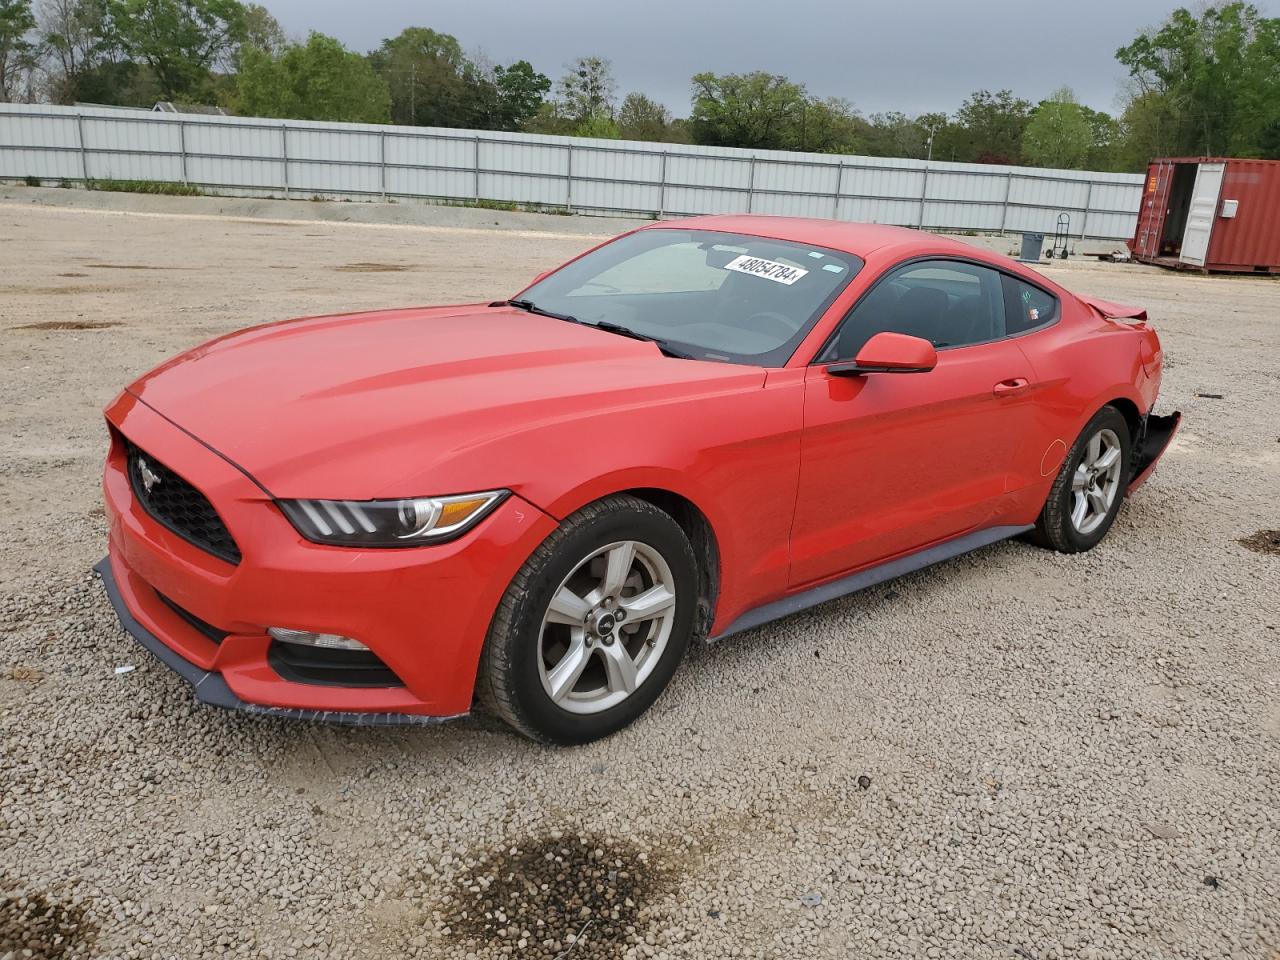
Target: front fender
736	457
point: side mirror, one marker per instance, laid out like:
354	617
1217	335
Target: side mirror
889	353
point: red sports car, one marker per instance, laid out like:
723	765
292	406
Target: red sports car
690	430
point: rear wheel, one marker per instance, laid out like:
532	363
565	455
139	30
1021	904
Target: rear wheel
594	625
1087	493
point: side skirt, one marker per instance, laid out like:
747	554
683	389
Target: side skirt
868	578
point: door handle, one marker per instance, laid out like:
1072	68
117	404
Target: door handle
1008	388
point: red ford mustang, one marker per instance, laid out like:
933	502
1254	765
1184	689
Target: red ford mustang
688	431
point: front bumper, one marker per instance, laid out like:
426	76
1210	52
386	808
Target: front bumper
211	688
423	611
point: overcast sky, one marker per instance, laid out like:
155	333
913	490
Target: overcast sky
909	55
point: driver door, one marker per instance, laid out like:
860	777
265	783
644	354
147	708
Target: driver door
893	462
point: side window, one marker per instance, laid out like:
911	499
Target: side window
949	303
1027	307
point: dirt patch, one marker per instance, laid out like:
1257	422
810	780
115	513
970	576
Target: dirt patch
34	925
69	325
371	268
131	266
543	897
63	291
1264	541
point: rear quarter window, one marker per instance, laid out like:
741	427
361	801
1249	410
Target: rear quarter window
1027	307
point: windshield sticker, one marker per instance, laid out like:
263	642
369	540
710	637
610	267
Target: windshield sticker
832	268
768	269
815	254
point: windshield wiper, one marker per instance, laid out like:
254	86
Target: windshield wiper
636	335
604	325
532	307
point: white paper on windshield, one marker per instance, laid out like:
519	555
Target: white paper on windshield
769	269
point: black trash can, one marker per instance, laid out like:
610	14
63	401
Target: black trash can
1032	247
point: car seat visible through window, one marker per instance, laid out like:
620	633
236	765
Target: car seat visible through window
922	312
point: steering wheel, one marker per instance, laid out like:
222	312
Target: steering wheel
770	322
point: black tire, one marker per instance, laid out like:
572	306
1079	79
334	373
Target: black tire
509	682
1054	528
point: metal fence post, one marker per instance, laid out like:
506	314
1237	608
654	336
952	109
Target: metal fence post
924	195
477	167
382	163
751	185
662	186
1004	207
1088	202
84	153
568	186
284	154
182	145
835	205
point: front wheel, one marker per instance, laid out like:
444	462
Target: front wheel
594	625
1087	493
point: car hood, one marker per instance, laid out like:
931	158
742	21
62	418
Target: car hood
410	402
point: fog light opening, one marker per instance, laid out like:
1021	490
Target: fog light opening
306	638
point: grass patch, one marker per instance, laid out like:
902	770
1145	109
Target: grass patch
504	205
146	186
509	206
31	181
548	209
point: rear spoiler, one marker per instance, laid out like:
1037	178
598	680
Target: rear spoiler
1116	311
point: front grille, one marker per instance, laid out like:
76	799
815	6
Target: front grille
300	663
176	504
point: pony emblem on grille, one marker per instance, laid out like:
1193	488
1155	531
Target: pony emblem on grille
149	478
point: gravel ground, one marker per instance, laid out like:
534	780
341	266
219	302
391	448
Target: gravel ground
1016	754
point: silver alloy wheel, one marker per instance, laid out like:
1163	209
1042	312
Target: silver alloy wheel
1096	482
606	627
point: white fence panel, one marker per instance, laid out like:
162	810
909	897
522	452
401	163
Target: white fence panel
302	158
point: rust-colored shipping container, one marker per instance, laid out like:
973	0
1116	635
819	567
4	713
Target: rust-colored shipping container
1210	213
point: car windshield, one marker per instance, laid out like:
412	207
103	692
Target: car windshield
700	293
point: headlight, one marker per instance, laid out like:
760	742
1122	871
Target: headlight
390	523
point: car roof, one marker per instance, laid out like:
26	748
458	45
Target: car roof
860	239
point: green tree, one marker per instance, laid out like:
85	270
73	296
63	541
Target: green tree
587	89
1105	140
832	125
16	23
180	40
1206	84
1148	129
83	57
601	126
640	118
318	80
432	82
987	128
261	30
1058	134
521	92
758	109
896	135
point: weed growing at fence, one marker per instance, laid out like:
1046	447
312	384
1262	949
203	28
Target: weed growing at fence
146	186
